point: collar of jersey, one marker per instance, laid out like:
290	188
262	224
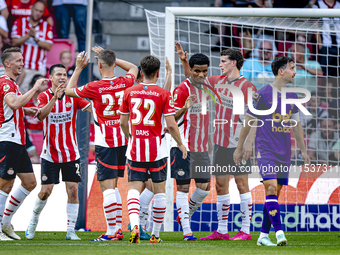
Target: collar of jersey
60	98
40	21
229	82
10	78
143	83
107	79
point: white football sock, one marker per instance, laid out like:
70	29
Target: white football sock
182	205
262	235
196	200
246	209
110	207
72	214
133	207
159	207
37	208
15	201
223	206
119	211
145	200
3	198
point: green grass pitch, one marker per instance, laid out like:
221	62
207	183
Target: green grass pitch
55	243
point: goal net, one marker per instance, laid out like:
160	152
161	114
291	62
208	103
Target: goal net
311	200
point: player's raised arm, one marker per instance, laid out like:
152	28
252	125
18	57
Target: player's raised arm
127	66
16	102
298	134
45	111
80	65
183	56
167	83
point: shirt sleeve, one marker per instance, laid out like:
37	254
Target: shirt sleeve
6	89
245	91
257	103
49	34
82	104
3	23
179	98
3	5
124	107
85	91
168	108
129	79
42	100
16	29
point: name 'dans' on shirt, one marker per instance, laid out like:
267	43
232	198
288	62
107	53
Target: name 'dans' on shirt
60	118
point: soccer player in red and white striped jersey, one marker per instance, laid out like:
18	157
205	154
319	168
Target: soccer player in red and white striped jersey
60	150
110	143
14	159
225	138
35	37
194	129
147	106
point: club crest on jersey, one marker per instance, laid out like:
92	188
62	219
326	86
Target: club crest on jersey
68	104
6	87
81	88
175	97
180	172
145	87
111	82
10	171
171	103
38	102
44	178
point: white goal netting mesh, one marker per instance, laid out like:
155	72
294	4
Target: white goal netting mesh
311	201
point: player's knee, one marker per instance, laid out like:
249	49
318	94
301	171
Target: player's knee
30	185
272	190
242	186
183	187
221	188
73	193
7	187
45	193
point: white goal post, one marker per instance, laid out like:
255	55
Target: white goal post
305	20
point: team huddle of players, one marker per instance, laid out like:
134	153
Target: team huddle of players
130	130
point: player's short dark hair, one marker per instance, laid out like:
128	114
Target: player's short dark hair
280	63
139	75
150	66
234	54
7	54
51	71
108	57
198	59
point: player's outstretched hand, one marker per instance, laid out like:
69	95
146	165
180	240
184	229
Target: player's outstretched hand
59	91
32	111
81	60
237	156
39	83
183	150
190	101
305	158
180	52
96	50
168	66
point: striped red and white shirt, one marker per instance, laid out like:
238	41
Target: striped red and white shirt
60	143
34	56
12	124
193	125
147	104
227	134
106	96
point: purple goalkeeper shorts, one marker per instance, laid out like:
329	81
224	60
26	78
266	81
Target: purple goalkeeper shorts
272	169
